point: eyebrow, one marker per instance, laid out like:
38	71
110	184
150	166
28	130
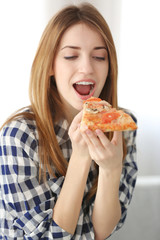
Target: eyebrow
74	47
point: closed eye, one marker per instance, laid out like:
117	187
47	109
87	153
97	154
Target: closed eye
70	57
99	58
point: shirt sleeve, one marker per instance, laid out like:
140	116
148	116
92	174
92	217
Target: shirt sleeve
128	176
26	205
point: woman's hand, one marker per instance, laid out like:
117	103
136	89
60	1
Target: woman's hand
79	145
107	154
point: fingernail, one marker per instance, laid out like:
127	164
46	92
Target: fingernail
83	127
98	131
88	131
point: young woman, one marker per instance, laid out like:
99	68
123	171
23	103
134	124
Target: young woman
55	181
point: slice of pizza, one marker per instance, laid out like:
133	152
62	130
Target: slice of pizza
99	114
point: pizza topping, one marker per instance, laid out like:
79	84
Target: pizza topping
91	108
109	117
83	87
96	105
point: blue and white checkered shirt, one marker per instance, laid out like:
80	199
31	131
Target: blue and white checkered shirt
26	206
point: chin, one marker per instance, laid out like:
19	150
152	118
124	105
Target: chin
73	109
78	107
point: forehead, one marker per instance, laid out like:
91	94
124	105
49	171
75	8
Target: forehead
81	33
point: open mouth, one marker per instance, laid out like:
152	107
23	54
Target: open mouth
84	88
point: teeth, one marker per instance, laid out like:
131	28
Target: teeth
85	83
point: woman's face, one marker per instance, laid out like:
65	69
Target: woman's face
81	66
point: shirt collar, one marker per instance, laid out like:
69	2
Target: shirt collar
61	131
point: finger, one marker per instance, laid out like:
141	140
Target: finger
77	118
117	138
93	143
102	137
93	137
86	138
83	127
76	121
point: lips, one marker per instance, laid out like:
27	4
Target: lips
84	88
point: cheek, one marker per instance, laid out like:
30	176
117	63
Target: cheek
106	71
103	70
101	85
62	72
103	77
58	69
58	75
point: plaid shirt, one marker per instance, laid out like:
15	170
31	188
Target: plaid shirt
26	206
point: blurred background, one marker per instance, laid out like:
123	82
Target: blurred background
135	28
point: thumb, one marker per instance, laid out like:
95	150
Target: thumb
76	122
117	138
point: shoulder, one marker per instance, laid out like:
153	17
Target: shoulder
17	127
19	134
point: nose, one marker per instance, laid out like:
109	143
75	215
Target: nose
86	65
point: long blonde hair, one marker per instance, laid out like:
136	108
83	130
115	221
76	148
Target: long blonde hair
45	101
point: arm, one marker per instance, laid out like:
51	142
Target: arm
108	155
67	208
107	209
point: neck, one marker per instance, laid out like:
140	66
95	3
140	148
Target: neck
69	111
70	114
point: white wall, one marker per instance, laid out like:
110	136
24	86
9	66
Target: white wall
21	25
135	28
139	77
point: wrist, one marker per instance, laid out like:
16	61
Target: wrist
111	172
82	162
110	176
78	156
